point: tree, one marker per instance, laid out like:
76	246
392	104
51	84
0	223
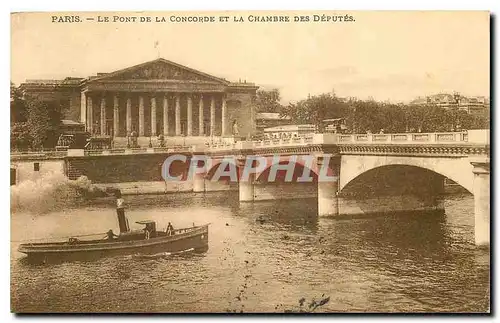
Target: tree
392	118
44	120
268	101
315	109
371	116
364	116
20	138
17	105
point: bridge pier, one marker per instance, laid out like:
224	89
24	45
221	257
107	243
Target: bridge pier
246	189
481	192
199	183
328	202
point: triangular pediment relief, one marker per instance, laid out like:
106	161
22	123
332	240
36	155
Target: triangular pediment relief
159	69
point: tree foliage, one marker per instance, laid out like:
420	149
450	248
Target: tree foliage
44	119
17	105
268	101
20	138
35	124
315	109
371	116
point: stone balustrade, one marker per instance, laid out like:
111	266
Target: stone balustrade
405	138
480	137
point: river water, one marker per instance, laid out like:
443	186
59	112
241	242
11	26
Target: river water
392	263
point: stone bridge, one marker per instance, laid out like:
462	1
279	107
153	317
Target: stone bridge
375	173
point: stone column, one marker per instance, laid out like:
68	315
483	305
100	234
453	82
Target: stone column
141	116
177	115
201	124
224	116
116	116
481	190
165	115
103	115
90	114
327	190
129	116
189	115
212	116
153	116
83	109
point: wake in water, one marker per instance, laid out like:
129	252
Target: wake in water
50	192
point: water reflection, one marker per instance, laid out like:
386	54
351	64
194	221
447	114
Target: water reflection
293	215
263	256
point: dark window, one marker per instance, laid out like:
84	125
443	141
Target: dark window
36	167
12	176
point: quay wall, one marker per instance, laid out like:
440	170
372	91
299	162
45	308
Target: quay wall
34	169
121	168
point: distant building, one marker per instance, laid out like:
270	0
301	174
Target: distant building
267	120
289	131
153	98
473	105
337	125
66	92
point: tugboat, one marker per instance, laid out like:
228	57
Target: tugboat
148	241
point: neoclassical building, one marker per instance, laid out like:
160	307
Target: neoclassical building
156	97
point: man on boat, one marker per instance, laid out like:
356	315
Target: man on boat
120	211
111	235
170	229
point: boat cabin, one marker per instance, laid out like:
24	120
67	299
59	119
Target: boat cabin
148	232
149	225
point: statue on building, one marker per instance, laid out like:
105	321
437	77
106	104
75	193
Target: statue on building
236	131
133	139
161	140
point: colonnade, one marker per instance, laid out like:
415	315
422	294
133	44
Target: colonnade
156	101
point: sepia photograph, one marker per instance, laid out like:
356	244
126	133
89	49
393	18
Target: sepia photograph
250	162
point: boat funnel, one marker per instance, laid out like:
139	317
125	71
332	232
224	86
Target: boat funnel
123	221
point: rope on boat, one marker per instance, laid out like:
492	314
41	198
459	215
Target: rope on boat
56	238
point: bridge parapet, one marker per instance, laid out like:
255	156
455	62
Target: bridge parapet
470	139
443	139
440	138
405	138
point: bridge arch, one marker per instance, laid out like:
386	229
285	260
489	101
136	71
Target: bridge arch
457	169
225	168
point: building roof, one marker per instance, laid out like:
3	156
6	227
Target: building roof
102	76
291	127
271	116
444	98
333	120
77	81
67	122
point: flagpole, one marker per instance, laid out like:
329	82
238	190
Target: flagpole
157	49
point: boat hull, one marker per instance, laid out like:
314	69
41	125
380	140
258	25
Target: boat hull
196	239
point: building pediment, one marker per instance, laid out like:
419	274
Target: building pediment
158	70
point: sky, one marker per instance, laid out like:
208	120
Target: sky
394	56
